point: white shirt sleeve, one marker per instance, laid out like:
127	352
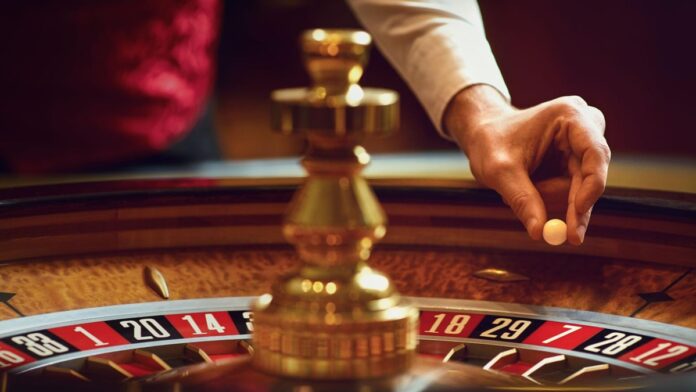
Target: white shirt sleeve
438	46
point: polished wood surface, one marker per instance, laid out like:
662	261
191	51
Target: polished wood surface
567	281
433	169
639	227
87	247
684	292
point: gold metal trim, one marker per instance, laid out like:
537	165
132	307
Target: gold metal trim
156	281
150	359
457	353
555	362
499	275
586	373
65	373
106	369
196	354
503	358
335	318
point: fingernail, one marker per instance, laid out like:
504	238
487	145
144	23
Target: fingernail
581	232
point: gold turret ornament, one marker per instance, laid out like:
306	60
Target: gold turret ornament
335	324
336	318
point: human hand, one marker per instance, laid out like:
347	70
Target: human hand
551	156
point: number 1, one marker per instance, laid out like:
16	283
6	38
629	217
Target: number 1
94	339
194	326
436	324
211	323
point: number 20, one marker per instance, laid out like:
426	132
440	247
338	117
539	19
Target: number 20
151	325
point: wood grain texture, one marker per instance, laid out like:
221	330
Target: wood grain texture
48	235
568	281
682	310
86	246
6	313
555	280
74	283
639	228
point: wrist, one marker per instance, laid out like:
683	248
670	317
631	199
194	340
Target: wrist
471	109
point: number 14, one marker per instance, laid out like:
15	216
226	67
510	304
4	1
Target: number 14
211	324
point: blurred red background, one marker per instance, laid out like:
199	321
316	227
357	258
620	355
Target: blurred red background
631	58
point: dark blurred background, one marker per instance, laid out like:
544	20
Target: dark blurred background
631	58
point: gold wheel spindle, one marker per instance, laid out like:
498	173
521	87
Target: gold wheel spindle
335	318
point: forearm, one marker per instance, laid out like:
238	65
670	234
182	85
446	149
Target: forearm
438	46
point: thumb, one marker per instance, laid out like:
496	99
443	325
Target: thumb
518	191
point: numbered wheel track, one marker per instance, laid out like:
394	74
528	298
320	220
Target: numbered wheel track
137	281
535	346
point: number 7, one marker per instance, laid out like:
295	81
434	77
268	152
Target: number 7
570	329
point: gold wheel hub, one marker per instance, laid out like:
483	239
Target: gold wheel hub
335	318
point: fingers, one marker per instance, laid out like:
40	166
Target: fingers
590	190
598	118
517	190
521	142
584	126
558	195
554	192
595	155
581	136
577	221
577	225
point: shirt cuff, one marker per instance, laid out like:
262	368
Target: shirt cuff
451	57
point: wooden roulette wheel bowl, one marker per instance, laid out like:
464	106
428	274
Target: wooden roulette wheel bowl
105	282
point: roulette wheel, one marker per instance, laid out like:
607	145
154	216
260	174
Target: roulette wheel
149	284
